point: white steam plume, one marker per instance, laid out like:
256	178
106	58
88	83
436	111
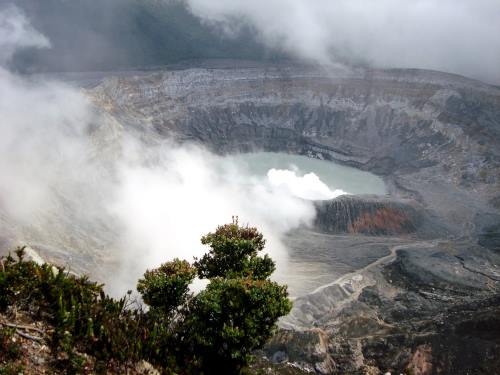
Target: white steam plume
165	206
308	186
41	125
459	36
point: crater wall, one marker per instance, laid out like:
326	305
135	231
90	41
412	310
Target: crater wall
433	136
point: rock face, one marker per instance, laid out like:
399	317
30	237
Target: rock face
376	216
433	308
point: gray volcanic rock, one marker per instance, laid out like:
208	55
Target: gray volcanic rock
489	231
373	215
433	309
490	238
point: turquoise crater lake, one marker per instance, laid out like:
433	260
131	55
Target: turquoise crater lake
333	175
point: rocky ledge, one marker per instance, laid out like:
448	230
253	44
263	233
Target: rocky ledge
428	308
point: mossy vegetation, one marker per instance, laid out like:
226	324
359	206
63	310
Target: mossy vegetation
179	332
10	352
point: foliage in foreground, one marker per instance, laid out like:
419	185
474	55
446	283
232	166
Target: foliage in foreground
10	351
212	332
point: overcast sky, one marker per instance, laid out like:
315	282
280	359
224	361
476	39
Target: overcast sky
460	36
16	32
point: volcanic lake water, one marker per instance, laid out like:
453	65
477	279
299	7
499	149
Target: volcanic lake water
335	176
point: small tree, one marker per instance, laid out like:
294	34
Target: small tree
234	254
216	330
167	287
230	319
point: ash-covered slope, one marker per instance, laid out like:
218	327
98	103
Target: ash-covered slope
430	307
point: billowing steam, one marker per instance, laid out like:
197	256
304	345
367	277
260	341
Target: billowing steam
166	205
74	181
308	186
459	36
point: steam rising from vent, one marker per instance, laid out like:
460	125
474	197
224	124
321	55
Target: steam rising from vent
307	187
459	36
166	205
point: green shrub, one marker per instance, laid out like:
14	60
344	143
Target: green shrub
84	318
11	369
167	286
212	332
234	253
230	319
9	350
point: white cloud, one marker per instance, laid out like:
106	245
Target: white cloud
16	32
460	36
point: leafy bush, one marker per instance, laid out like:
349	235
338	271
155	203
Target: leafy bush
212	332
9	350
11	369
221	326
167	287
233	253
230	319
84	318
